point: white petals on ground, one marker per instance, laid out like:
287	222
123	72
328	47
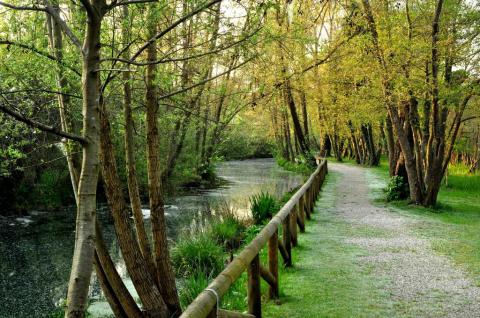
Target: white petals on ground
421	282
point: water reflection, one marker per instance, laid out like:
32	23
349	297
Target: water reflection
35	252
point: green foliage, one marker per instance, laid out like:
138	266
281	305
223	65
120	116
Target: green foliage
300	167
190	288
397	189
244	143
206	172
234	299
197	254
53	189
251	232
263	207
228	232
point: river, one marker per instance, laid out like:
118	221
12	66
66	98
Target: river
36	250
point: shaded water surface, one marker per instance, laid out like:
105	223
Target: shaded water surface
36	251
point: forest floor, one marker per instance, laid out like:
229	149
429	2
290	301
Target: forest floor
363	258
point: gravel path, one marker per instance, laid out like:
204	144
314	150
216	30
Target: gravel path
421	283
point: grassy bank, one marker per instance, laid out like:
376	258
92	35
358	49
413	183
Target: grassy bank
202	253
453	226
326	280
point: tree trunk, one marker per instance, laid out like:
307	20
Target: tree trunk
83	256
112	284
56	45
392	156
303	98
165	275
137	268
132	182
297	128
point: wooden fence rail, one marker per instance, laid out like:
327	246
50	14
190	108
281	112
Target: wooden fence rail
293	213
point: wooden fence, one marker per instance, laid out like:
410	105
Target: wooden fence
293	213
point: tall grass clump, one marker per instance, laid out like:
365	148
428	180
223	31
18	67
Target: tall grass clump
228	233
197	254
263	207
191	287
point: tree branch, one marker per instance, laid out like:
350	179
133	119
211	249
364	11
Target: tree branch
41	53
63	25
180	59
128	2
40	90
88	7
23	8
50	129
329	54
469	118
182	90
171	27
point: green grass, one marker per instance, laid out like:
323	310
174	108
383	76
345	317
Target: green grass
453	226
300	168
197	254
327	280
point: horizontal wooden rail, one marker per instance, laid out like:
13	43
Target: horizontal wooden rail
294	212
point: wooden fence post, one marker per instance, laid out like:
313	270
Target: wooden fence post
254	292
293	226
273	264
287	240
300	216
306	205
310	199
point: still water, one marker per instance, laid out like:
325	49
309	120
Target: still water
36	250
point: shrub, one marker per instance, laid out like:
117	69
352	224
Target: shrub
228	232
300	166
197	254
397	189
251	232
263	207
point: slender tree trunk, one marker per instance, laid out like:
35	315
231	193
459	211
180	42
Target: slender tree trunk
355	146
83	256
112	284
165	275
56	45
132	182
297	128
303	98
392	157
